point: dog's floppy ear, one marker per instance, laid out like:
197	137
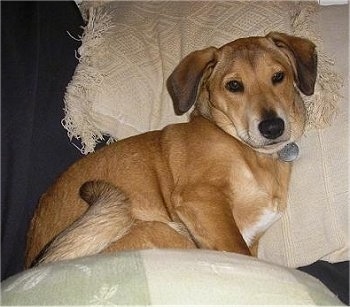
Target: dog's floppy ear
302	54
183	84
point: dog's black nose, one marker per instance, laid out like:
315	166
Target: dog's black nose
271	128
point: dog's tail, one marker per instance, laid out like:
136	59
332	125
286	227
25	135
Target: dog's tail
108	219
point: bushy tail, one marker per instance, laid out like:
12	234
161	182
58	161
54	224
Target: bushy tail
108	219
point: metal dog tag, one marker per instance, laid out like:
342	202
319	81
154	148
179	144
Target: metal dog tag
289	152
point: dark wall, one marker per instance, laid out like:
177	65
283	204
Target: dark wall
37	62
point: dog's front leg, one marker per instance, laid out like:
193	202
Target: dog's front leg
206	212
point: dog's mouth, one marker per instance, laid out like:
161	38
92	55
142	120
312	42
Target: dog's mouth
264	145
270	148
285	150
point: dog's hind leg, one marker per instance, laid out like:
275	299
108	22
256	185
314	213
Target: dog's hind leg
108	219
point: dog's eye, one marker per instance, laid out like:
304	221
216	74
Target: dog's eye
234	86
278	77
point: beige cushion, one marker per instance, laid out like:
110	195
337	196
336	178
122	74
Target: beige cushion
130	48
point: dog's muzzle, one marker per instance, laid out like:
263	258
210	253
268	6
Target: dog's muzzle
269	135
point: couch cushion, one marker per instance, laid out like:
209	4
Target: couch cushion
162	277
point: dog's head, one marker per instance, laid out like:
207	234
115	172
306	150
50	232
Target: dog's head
248	87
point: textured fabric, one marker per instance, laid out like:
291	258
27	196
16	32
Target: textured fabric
162	277
129	49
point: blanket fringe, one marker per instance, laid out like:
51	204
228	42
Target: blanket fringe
323	105
79	120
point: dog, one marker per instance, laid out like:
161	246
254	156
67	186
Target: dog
215	182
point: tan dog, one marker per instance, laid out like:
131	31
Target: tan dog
214	183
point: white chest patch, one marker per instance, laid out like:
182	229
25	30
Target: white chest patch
266	219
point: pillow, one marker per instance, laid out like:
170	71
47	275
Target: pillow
163	277
118	89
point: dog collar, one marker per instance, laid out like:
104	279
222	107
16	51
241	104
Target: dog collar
289	152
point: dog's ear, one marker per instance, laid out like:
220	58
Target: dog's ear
303	56
184	82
